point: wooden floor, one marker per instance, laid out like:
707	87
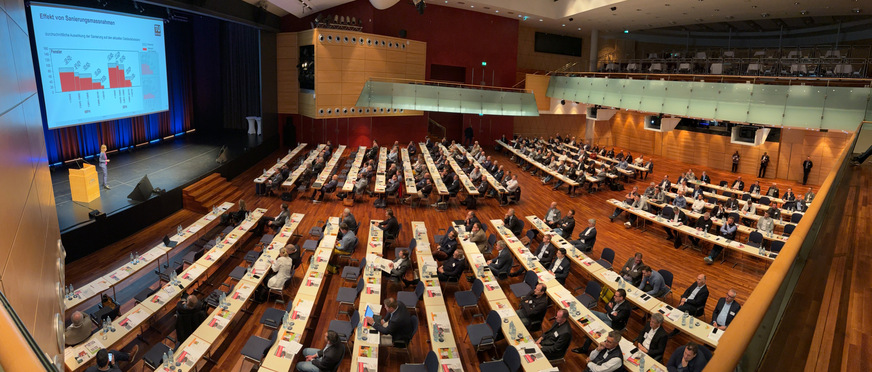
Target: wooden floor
659	253
827	326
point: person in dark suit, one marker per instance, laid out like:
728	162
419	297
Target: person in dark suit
390	225
703	223
587	237
447	246
755	187
533	306
566	225
675	236
328	187
397	323
349	220
632	270
104	364
617	311
326	359
764	162
806	169
502	263
694	298
546	251
556	339
735	159
607	357
728	230
191	313
725	310
687	358
274	222
652	340
513	223
705	178
561	266
789	195
773	191
452	268
470	220
738	184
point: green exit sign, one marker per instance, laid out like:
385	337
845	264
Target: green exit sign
483	63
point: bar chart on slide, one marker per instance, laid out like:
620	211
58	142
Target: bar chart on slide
79	70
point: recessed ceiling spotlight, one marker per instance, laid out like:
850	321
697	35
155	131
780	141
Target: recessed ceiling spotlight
796	3
579	29
564	25
764	15
540	19
472	6
497	11
856	10
803	12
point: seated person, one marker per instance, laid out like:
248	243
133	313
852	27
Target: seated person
617	311
452	268
513	223
546	251
694	298
766	224
728	230
348	242
233	218
446	247
566	225
552	215
703	223
652	282
327	188
79	329
687	358
607	357
326	359
502	263
283	267
725	310
190	314
400	265
533	306
629	199
477	236
560	267
396	325
275	223
652	340
556	339
108	360
632	270
587	237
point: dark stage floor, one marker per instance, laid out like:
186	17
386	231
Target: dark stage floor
168	164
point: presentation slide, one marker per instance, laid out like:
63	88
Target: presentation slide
96	65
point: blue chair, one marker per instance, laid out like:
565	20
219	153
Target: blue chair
272	317
591	294
347	296
352	273
755	239
491	241
411	248
431	364
667	212
438	237
410	299
746	196
511	362
345	328
788	229
154	356
403	345
256	348
775	248
524	288
764	200
469	299
607	258
485	334
795	217
667	279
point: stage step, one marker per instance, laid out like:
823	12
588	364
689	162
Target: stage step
211	190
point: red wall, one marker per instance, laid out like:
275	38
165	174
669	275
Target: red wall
454	37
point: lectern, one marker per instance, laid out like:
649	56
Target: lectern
83	184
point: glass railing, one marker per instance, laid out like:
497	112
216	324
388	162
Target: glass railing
747	340
447	97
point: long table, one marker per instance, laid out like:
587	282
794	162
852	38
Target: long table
351	178
461	175
114	278
539	165
740	227
594	328
408	175
77	356
690	231
442	339
496	298
702	333
281	354
380	181
484	172
760	207
328	168
289	182
268	173
735	191
434	172
365	352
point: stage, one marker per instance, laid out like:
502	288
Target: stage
170	165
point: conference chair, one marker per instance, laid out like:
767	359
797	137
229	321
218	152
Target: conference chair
590	297
607	258
491	241
667	279
341	255
352	273
154	356
347	296
164	275
755	239
272	317
281	292
214	297
524	288
255	349
485	334
796	217
411	248
746	196
788	229
403	345
431	364
723	183
390	241
469	299
511	362
345	328
531	234
438	237
775	248
409	298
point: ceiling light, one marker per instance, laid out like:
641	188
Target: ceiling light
856	10
497	11
804	12
579	29
540	19
564	25
764	15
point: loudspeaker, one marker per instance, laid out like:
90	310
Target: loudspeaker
403	33
142	191
222	155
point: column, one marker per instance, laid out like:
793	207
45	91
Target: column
594	49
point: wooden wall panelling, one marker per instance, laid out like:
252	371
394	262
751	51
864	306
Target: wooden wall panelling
287	50
538	84
550	125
